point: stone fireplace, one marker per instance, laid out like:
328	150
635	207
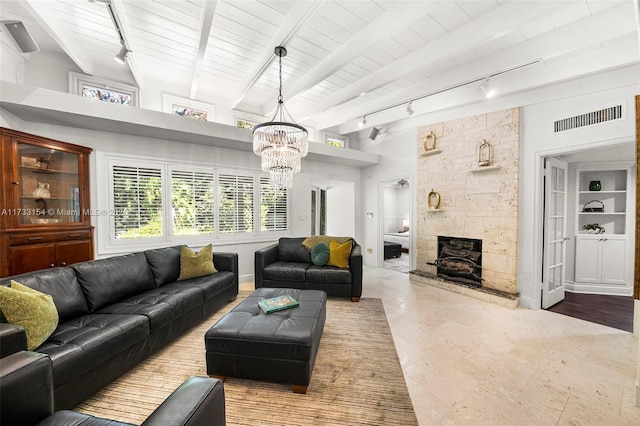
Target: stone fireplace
476	203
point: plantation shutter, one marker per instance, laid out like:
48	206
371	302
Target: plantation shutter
137	202
192	201
273	207
235	210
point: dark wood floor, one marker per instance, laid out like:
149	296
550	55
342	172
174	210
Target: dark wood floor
612	311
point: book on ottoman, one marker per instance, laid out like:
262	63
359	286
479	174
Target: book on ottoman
278	303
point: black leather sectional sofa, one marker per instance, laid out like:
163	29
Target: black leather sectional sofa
115	312
26	397
288	264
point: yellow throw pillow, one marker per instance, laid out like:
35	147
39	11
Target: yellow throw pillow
193	265
310	242
339	254
30	309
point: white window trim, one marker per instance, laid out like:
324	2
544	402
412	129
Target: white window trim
76	81
104	201
168	101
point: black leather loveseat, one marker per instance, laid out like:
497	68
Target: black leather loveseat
288	264
115	312
26	397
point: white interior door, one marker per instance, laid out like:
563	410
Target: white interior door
555	222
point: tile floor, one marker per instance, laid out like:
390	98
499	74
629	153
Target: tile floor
469	362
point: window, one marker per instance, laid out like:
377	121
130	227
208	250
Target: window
101	89
137	202
273	207
153	202
236	203
192	202
188	108
336	140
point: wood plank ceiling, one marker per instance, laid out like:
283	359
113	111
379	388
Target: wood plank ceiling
347	58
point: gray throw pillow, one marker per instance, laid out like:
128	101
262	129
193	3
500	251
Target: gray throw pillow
320	254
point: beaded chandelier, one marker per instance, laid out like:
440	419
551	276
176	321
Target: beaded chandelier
280	143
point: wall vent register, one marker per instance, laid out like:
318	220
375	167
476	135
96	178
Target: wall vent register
595	117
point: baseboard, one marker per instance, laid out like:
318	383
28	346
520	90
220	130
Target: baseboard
604	289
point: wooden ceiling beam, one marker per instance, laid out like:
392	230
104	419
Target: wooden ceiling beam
206	19
44	14
481	30
295	20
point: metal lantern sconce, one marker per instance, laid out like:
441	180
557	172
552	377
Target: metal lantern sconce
484	154
429	142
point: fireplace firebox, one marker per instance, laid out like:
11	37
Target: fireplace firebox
460	259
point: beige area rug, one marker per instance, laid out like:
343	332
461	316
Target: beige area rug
357	378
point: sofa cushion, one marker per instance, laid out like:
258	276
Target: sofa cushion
30	309
165	264
193	265
285	271
209	285
111	280
339	254
328	274
161	305
320	254
292	250
82	344
61	284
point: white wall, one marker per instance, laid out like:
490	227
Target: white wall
143	147
538	141
340	209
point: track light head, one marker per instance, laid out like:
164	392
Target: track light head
373	134
410	110
363	121
488	91
121	57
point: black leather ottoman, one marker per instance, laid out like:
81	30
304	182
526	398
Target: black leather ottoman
392	250
280	347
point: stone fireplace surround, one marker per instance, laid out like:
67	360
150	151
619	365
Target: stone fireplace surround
476	202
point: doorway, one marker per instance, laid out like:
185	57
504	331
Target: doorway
596	242
396	220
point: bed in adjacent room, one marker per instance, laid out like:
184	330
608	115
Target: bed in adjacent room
401	238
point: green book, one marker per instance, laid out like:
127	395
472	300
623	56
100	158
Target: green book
278	303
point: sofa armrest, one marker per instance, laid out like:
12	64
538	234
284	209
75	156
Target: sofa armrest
26	388
227	261
13	338
197	401
263	257
355	266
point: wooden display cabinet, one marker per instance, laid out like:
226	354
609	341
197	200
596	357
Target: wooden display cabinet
45	218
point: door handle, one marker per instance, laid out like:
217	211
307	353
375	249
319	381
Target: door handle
566	239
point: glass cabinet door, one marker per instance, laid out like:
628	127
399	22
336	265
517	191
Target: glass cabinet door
48	185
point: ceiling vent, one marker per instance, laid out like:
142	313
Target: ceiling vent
595	117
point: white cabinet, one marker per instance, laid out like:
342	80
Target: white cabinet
601	259
604	261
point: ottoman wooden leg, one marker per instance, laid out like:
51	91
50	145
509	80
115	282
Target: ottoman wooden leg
355	299
299	388
223	378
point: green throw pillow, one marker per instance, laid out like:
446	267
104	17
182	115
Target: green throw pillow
30	309
193	265
320	254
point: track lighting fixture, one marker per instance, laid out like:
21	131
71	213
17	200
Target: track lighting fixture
488	91
363	121
121	57
410	110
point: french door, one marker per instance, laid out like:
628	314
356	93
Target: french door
555	222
